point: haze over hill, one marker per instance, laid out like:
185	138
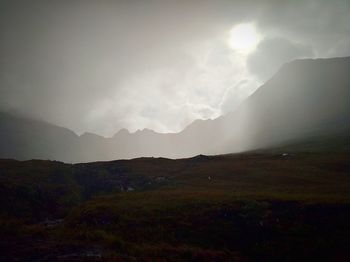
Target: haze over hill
305	98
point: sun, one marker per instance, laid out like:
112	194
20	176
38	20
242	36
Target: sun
244	38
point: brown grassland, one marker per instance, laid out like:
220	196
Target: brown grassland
257	206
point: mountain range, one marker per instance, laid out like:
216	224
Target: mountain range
305	99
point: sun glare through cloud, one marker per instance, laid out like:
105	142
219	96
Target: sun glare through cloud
244	38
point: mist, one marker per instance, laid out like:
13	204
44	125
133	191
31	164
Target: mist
174	130
100	66
100	80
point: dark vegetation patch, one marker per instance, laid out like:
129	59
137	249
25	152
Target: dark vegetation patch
257	206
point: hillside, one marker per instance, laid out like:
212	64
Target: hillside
227	207
305	98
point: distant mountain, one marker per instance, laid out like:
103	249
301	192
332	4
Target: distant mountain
305	99
23	138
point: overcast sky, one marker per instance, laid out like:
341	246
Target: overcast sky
99	66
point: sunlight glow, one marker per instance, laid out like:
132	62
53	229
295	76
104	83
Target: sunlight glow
244	38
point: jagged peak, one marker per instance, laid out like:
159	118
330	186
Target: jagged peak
89	134
122	132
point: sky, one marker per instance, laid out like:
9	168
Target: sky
100	66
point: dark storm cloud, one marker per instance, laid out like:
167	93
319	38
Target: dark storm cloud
102	65
319	23
272	53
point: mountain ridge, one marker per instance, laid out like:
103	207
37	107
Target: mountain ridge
300	100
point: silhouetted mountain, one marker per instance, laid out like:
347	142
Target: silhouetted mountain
305	99
24	138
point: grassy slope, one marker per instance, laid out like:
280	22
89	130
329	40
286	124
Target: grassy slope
252	206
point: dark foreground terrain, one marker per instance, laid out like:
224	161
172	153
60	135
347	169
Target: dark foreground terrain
286	204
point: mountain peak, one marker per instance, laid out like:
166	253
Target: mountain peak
90	135
122	132
303	99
